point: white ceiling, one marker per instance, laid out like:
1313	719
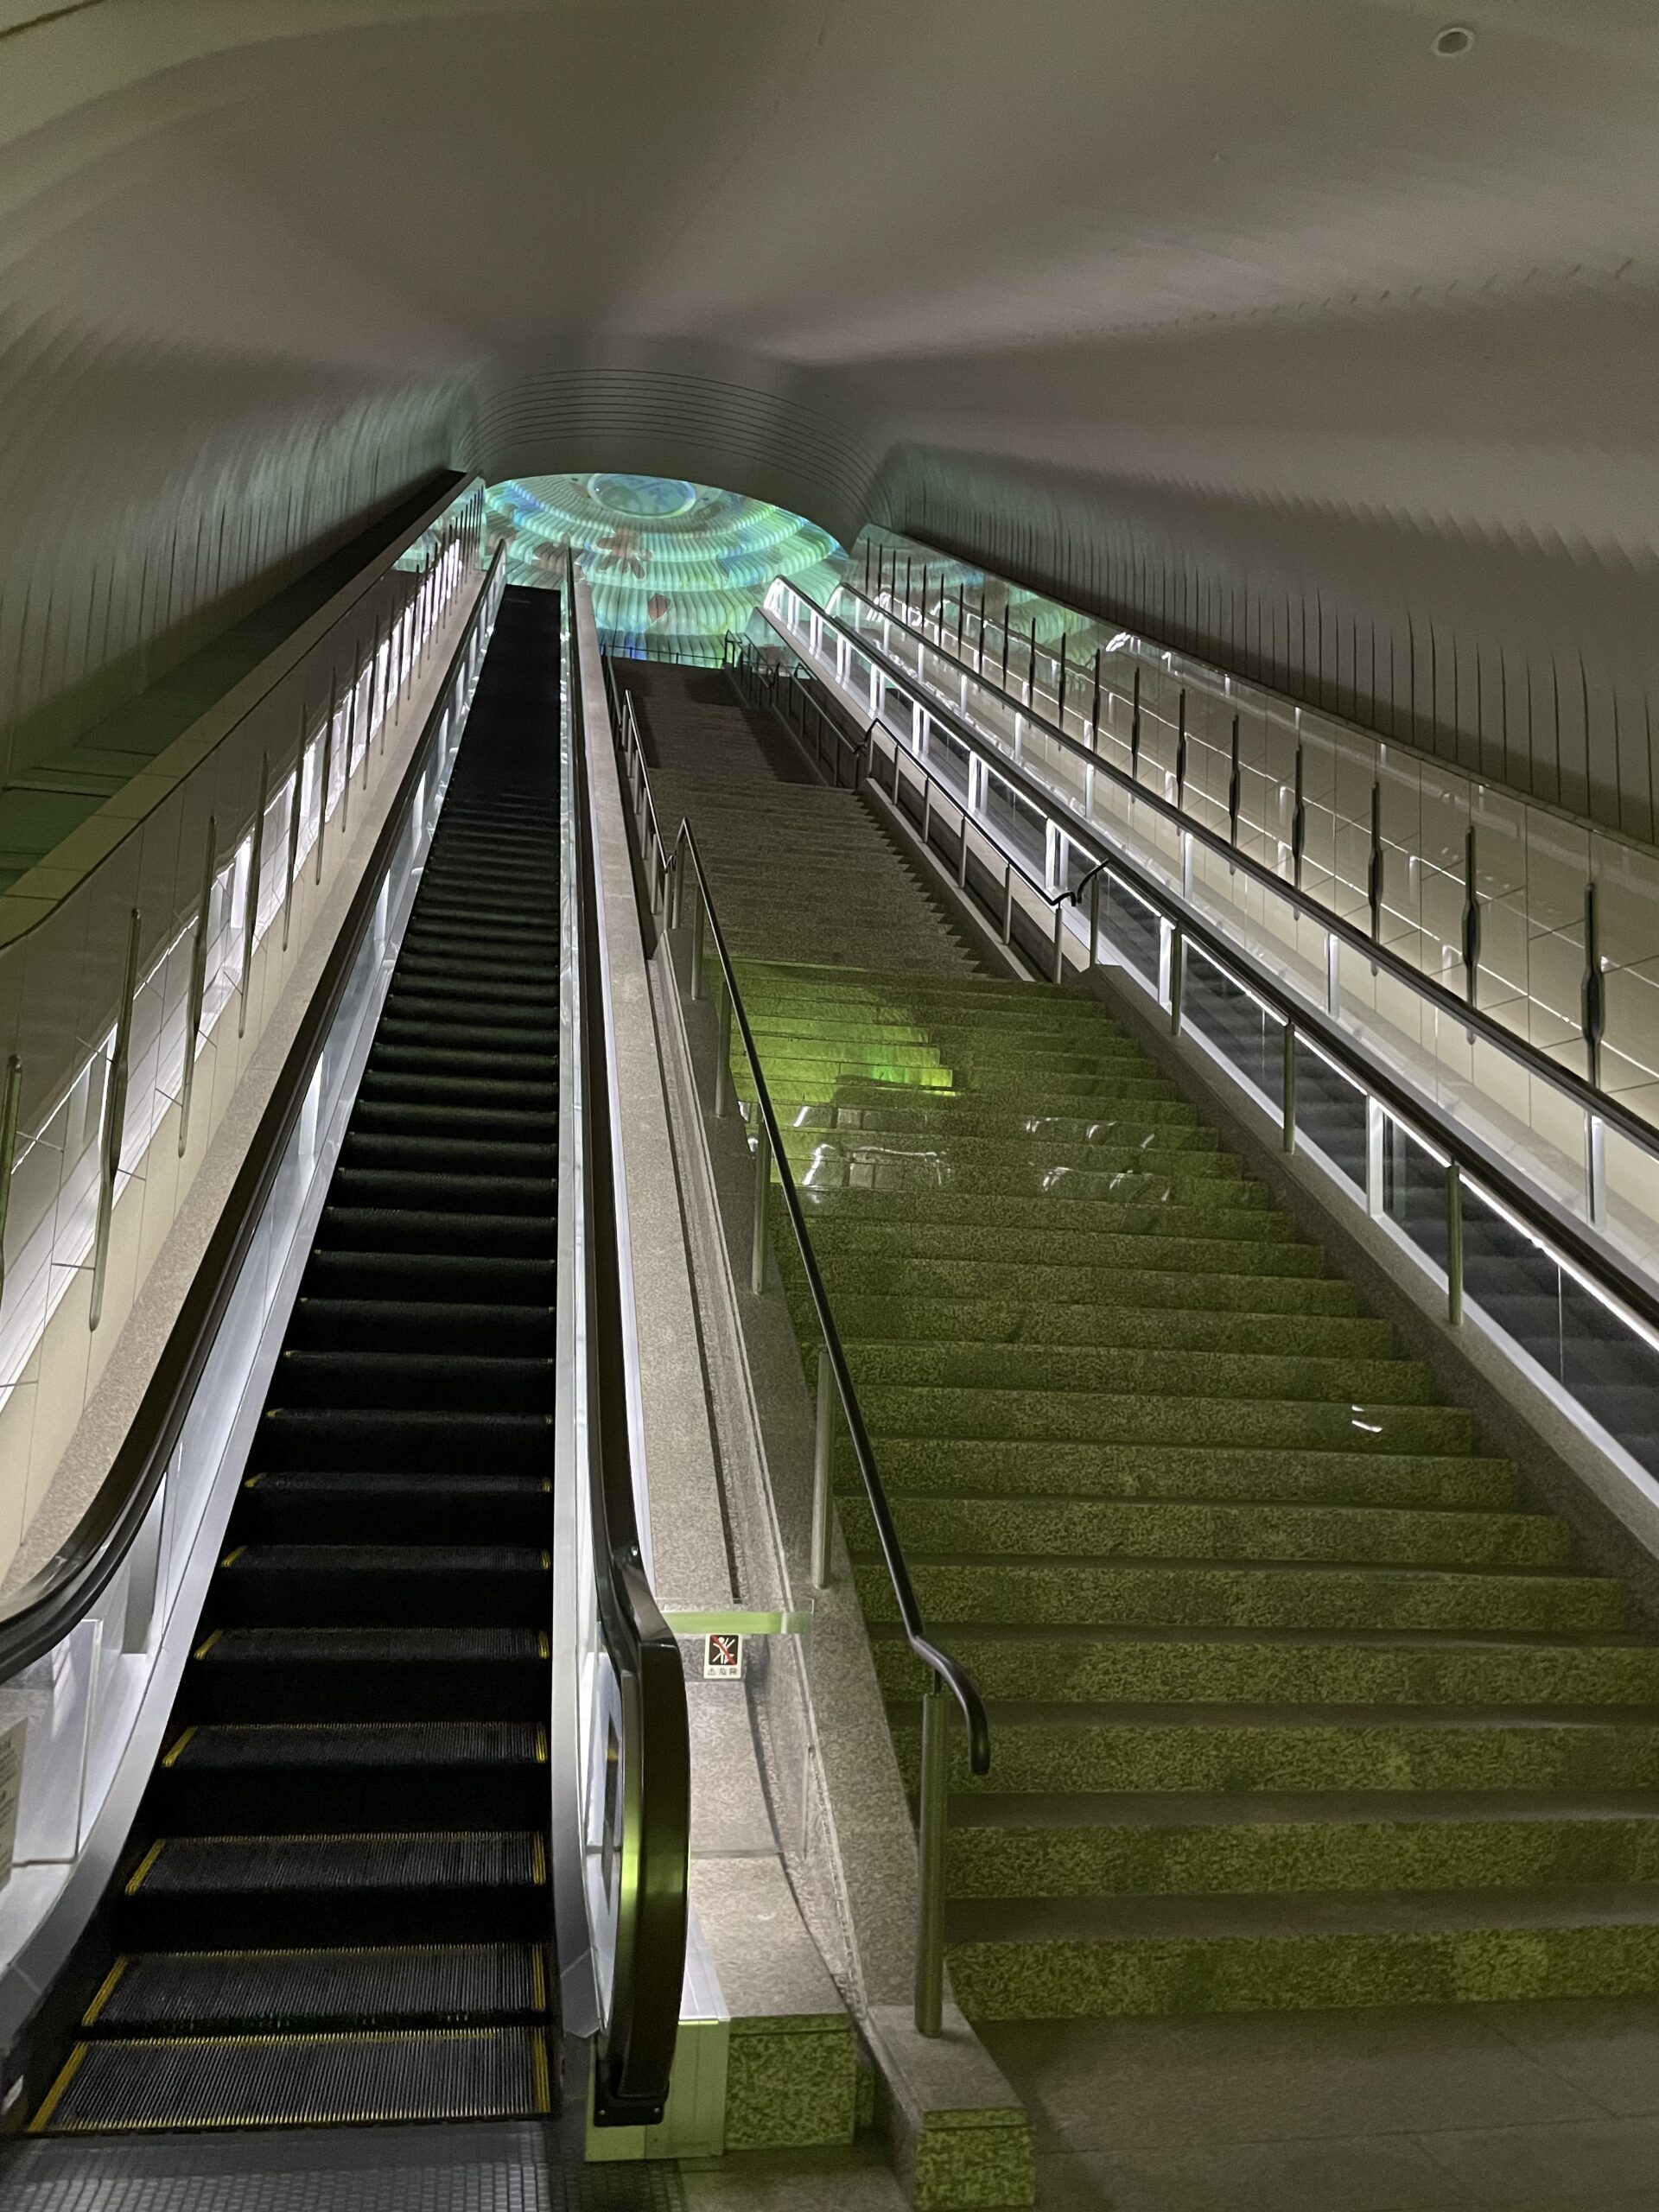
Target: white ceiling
1262	286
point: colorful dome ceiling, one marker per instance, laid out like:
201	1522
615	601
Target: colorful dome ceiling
672	566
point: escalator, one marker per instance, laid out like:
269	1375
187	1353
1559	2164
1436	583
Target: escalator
334	1905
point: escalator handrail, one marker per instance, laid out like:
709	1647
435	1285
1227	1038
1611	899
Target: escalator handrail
635	2048
61	1592
1584	1094
1566	1239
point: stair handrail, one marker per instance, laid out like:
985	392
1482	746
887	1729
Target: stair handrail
670	873
43	1609
1473	1166
634	2051
1589	1097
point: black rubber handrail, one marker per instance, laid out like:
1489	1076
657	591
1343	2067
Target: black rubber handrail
62	1592
1583	1094
1551	1225
635	2048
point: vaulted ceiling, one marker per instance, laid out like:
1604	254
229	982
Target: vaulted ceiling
1253	320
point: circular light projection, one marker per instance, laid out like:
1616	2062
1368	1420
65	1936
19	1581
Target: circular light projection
672	566
1455	39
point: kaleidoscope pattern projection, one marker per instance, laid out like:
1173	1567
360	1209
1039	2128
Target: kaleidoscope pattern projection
672	566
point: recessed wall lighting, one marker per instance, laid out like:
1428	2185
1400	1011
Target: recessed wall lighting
1455	39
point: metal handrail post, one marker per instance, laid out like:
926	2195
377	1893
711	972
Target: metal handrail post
932	1817
694	986
1059	940
251	912
723	1056
1287	1091
198	986
822	1490
9	1110
115	1115
1454	1243
762	1199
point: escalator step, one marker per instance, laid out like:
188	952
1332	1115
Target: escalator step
358	1745
305	1506
433	1380
406	1325
384	1647
482	1859
466	1235
301	2080
347	1437
519	1278
190	1992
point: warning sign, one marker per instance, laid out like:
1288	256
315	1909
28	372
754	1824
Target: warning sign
722	1657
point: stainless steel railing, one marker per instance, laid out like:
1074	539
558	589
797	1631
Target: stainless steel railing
675	876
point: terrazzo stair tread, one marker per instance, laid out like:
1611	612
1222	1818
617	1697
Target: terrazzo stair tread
845	1051
1228	1844
818	974
964	1587
1128	1285
1205	1177
924	1024
1101	1416
959	1118
1049	1749
824	1076
1029	1528
967	1361
1040	1219
837	1165
1056	1667
1044	1092
1202	1242
1222	1474
1098	1919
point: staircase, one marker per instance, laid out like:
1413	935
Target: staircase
336	1907
1295	1700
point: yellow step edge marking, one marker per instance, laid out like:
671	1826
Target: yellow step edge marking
539	1861
207	1645
105	1992
547	1559
543	1648
145	1864
171	1756
231	1557
538	2066
53	2095
539	1978
541	1747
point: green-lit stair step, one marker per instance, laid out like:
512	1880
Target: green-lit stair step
1039	1959
1140	1243
1185	1372
961	1122
1149	1593
1137	1281
1194	1844
1038	1219
1050	1748
979	1467
947	1321
1172	1666
1026	1529
1083	1416
836	1162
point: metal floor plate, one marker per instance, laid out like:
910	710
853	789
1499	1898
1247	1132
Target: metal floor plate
508	2166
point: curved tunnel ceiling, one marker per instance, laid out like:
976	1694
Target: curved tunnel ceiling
1259	324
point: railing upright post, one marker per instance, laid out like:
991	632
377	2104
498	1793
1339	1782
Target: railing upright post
251	909
932	1817
1059	940
962	854
1094	922
695	984
1454	1244
823	1492
1287	1092
762	1197
115	1116
9	1110
1177	975
1007	902
197	989
723	1052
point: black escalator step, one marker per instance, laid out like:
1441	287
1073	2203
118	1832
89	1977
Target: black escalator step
240	1778
439	1191
510	1015
538	999
356	1673
465	1235
326	1506
402	1441
208	1892
301	2080
436	1154
185	1992
497	1279
444	1032
421	1124
381	1585
435	958
454	1096
452	1382
406	1325
431	1059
